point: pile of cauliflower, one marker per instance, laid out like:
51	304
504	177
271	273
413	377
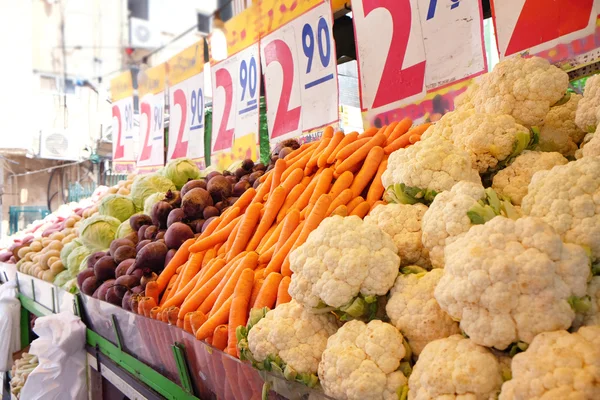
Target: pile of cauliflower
480	277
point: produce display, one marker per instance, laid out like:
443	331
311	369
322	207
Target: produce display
20	371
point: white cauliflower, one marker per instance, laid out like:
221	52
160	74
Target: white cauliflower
342	259
455	368
559	132
452	213
513	180
403	223
592	146
590	315
588	108
415	312
291	337
568	198
506	281
464	101
525	88
424	169
361	362
579	152
490	140
557	365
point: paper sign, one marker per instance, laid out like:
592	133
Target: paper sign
121	90
186	99
152	104
408	47
300	66
533	26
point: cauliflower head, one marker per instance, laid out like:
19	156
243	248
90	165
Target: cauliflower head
342	258
361	362
415	312
292	333
557	365
403	223
591	313
525	88
568	198
586	116
559	132
452	213
490	140
455	368
513	180
592	146
506	281
431	165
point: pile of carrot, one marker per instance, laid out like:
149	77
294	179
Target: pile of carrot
241	260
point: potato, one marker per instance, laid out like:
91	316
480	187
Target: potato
23	251
36	258
55	245
86	213
46	256
46	241
36	246
57	267
112	190
77	224
29	256
52	260
68	231
124	191
39	274
70	222
48	276
68	238
57	236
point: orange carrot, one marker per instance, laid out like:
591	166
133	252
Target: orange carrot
404	140
245	199
293	179
289	225
375	205
323	143
229	215
282	252
259	271
414	139
263	189
266	256
351	148
349	138
304	197
296	154
353	203
209	255
201	292
376	189
197	319
178	259
238	314
300	163
218	318
154	311
145	305
340	210
249	262
390	128
335	140
274	235
266	238
167	292
280	165
369	132
323	185
258	282
152	291
342	183
289	201
401	128
361	210
367	171
220	337
217	237
230	240
267	296
172	313
192	269
272	208
244	233
282	292
342	199
360	154
212	226
187	325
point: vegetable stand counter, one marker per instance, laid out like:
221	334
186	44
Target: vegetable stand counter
145	358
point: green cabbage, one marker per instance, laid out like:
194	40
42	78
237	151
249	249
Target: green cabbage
123	230
63	277
204	173
98	231
75	258
116	205
145	185
67	249
180	171
152	200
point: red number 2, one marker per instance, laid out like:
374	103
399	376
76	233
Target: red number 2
224	136
120	149
397	83
146	150
180	149
285	120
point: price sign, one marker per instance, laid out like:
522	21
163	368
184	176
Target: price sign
409	47
537	25
152	104
121	89
300	66
186	99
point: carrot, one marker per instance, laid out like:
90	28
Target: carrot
304	197
290	223
217	237
167	292
323	143
291	198
349	138
218	318
282	292
197	319
245	199
249	262
323	185
340	210
335	140
145	305
369	132
197	281
293	179
375	205
267	296
401	128
165	316
300	163
376	189
390	128
272	208
295	156
266	256
178	259
210	228
187	326
209	255
271	240
201	292
414	139
220	337
259	271
343	182
225	248
360	154
152	291
229	215
361	210
263	189
172	313
367	171
266	237
280	166
342	199
353	203
282	252
404	140
351	148
192	269
209	301
238	314
244	233
154	312
258	282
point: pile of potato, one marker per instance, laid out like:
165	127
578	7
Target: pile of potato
20	371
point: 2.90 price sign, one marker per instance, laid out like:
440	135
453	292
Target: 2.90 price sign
121	91
152	106
300	66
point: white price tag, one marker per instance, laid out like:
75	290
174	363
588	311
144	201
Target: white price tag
151	150
300	66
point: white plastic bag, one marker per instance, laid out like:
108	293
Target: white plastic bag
60	348
10	329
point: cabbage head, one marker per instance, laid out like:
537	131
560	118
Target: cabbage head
123	230
75	259
181	170
145	185
62	278
151	200
209	169
116	205
98	231
67	249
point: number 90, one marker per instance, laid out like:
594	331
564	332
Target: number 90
308	43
